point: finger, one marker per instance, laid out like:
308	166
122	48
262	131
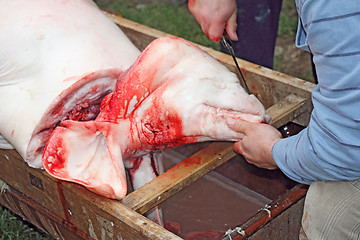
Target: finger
205	29
238	125
238	147
216	30
210	122
231	27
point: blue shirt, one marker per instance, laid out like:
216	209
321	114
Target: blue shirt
329	148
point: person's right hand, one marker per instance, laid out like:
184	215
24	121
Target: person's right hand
257	142
214	16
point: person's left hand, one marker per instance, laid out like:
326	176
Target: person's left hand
257	143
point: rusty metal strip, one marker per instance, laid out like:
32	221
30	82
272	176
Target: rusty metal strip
269	213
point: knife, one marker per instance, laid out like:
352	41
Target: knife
227	43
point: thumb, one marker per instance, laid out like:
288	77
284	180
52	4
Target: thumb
231	27
237	125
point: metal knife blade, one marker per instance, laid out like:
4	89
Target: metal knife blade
227	43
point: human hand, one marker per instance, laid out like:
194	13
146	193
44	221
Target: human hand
214	16
256	143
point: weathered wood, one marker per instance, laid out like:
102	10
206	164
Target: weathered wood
74	205
39	216
31	182
288	109
101	216
285	226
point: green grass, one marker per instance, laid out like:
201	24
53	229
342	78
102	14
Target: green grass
13	228
288	19
278	61
171	18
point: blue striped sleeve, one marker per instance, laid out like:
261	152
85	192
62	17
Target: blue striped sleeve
329	148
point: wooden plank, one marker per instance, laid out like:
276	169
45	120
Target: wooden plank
39	216
104	218
32	182
288	109
74	205
178	177
285	226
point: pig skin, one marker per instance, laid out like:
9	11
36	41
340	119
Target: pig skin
55	56
173	94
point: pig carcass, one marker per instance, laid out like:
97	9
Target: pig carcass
173	94
60	60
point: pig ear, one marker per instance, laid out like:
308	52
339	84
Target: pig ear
79	152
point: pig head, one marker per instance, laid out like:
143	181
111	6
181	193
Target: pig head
173	94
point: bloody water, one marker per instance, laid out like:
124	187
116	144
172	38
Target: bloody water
224	198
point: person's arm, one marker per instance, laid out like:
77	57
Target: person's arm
215	16
329	148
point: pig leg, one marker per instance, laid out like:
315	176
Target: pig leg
4	144
142	170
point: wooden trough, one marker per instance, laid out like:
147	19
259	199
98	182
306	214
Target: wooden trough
68	211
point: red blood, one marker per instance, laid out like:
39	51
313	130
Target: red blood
55	156
158	126
58	110
173	227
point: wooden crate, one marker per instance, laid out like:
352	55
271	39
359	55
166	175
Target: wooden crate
69	211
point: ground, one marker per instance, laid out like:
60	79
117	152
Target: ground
294	61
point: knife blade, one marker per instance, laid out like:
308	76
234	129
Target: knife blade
227	43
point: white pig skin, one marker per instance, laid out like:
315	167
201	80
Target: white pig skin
47	47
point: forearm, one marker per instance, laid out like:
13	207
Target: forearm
329	148
313	155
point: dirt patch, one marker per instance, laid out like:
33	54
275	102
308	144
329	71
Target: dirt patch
292	60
